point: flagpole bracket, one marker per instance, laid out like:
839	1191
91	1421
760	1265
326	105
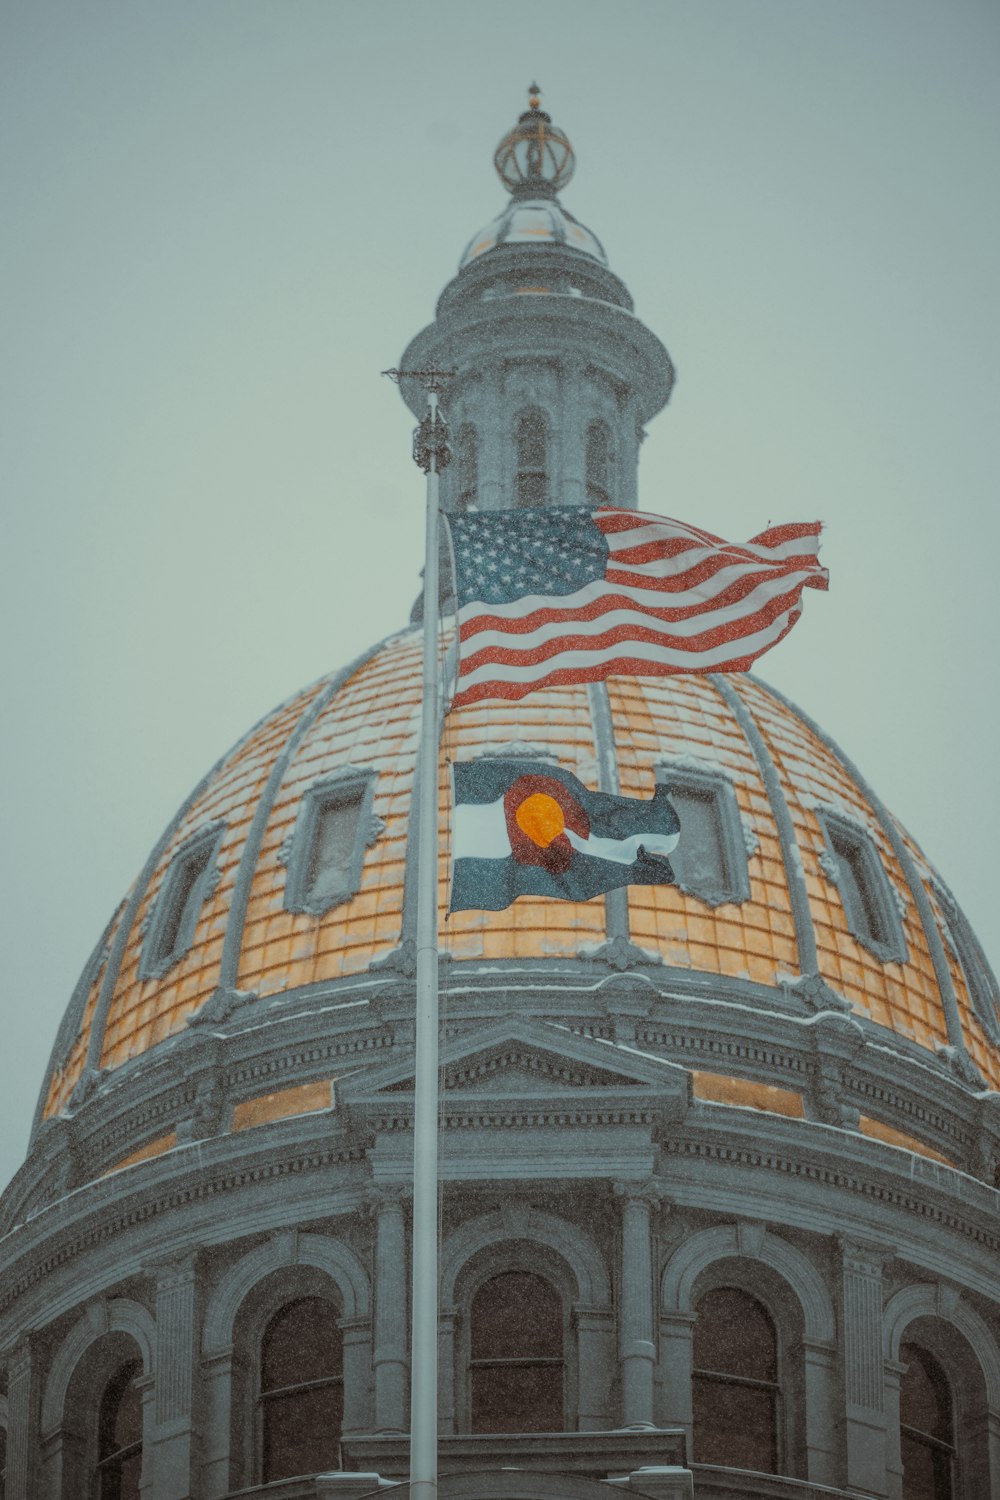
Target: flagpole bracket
430	444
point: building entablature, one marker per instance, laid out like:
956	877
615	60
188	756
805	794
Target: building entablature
728	1041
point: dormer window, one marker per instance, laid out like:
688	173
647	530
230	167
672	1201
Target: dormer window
710	860
867	898
334	826
532	482
467	448
598	464
179	902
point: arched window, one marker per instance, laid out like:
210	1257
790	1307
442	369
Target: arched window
468	466
598	464
301	1390
119	1436
532	482
927	1430
517	1366
735	1383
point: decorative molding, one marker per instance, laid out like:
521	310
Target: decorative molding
220	1005
701	1250
346	785
569	1241
200	847
401	960
620	953
960	1065
118	1315
937	1300
169	1197
849	1179
713	782
813	991
320	1251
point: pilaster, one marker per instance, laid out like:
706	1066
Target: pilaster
389	1354
595	1351
175	1441
23	1396
864	1371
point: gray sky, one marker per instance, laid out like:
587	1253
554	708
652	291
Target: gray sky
224	219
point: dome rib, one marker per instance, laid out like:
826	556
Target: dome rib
233	941
791	858
946	990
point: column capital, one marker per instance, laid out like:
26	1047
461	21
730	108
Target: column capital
863	1257
20	1357
173	1271
386	1197
649	1191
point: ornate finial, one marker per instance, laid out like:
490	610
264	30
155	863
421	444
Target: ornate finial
535	159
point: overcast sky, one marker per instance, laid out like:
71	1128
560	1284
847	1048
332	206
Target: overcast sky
225	217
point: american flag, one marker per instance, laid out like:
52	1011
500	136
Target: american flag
564	594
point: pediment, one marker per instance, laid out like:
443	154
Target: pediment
514	1057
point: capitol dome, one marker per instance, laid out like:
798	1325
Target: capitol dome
283	885
719	1159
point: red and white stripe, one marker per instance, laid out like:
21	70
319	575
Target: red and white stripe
673	599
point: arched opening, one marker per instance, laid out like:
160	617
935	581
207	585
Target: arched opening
735	1391
119	1435
598	464
532	480
467	467
517	1360
926	1427
301	1399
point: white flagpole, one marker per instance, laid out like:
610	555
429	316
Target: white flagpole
431	453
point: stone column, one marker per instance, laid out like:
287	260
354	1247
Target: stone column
23	1386
390	1343
175	1440
638	1350
864	1370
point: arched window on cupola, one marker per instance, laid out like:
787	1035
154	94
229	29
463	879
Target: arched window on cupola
736	1398
927	1427
598	464
467	466
532	479
517	1359
119	1436
301	1402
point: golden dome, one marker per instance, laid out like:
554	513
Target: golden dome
788	781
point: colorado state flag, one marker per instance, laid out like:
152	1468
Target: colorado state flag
525	828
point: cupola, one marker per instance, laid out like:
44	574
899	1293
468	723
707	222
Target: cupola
555	377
